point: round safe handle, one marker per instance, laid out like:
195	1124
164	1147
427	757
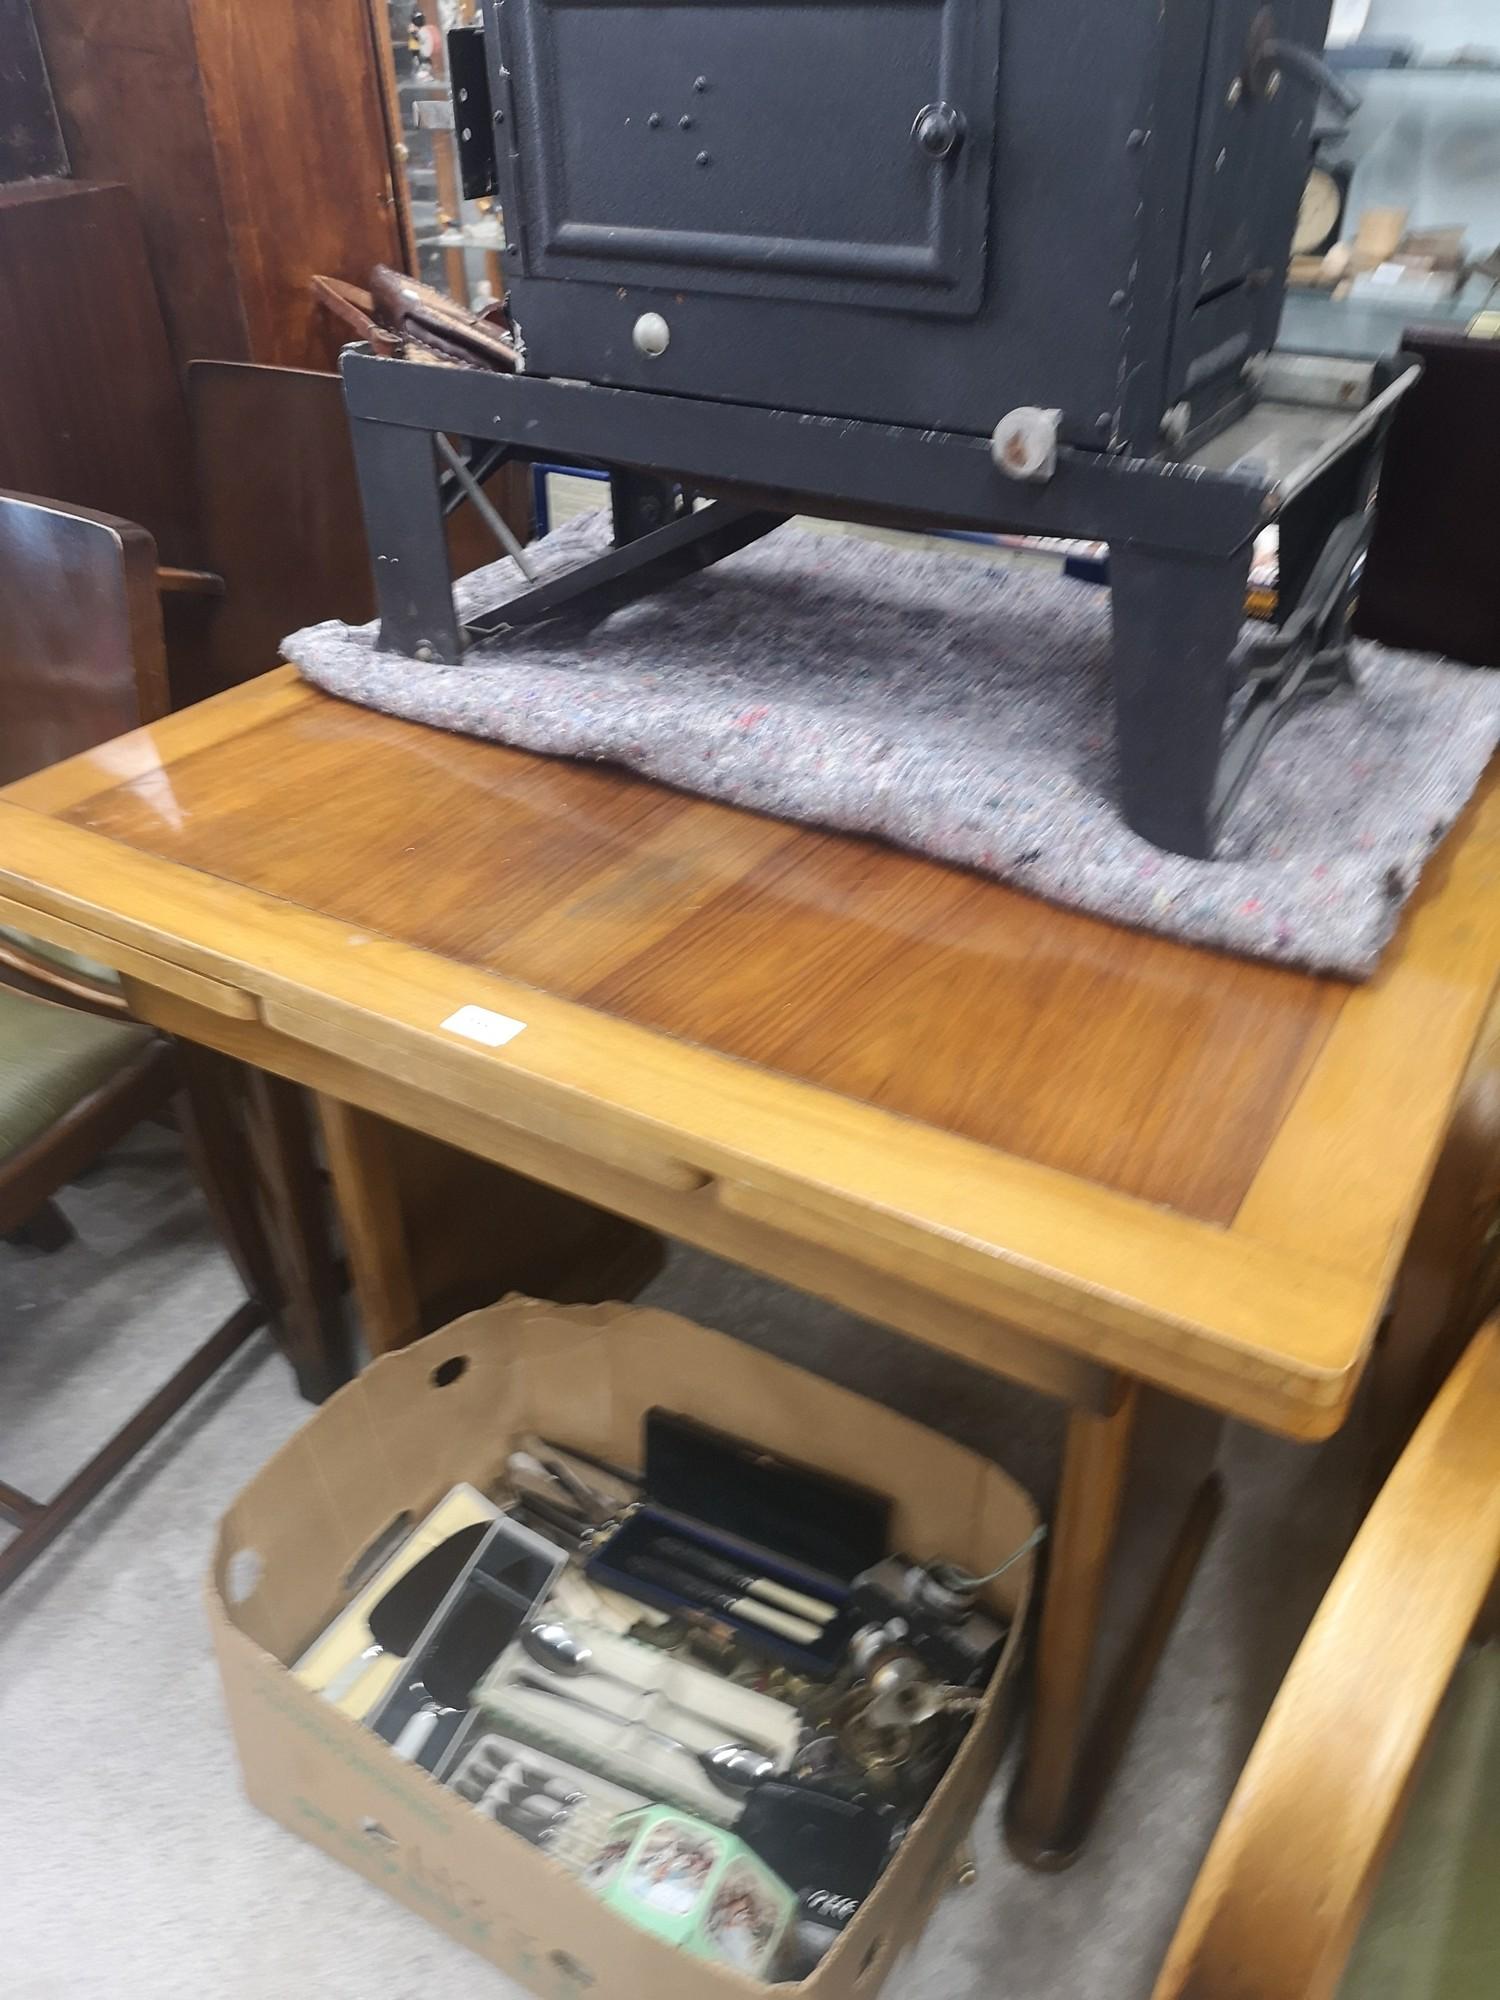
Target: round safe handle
938	129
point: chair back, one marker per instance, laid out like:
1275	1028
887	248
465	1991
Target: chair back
81	650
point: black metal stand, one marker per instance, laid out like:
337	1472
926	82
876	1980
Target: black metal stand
1181	535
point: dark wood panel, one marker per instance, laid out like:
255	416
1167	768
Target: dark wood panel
125	74
83	653
278	509
294	104
1432	580
31	141
476	1231
90	409
1151	1068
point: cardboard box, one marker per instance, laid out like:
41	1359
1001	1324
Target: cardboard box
445	1410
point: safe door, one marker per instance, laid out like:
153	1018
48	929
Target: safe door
832	152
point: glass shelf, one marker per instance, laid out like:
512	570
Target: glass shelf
1379	72
1314	323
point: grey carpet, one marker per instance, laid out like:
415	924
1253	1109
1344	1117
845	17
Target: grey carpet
962	709
132	1863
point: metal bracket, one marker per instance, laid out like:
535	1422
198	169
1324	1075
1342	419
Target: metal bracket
1307	657
473	117
632	569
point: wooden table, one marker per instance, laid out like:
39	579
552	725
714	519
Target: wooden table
1161	1185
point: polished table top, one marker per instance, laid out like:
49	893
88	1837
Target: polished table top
1177	1162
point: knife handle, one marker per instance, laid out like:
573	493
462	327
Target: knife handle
792	1600
738	1578
410	1743
802	1631
351	1673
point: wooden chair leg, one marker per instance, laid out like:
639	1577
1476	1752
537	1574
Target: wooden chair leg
1138	1499
47	1229
42	1521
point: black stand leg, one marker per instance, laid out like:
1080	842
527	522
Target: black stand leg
639	503
402	501
1177	620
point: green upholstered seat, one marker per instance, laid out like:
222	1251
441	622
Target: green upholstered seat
50	1059
1433	1929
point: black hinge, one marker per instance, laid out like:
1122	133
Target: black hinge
469	77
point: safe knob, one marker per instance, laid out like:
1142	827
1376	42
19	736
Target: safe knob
938	129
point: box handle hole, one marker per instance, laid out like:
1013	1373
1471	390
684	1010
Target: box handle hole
449	1370
242	1575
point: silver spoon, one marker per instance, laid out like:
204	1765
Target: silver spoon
734	1767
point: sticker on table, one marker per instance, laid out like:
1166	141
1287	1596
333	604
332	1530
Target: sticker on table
482	1024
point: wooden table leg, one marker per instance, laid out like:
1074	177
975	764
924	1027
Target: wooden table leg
250	1140
368	1196
1138	1498
294	1203
432	1232
211	1116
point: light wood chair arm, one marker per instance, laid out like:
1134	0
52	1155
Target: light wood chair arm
171	582
1279	1900
29	972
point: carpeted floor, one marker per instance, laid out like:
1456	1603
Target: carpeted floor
132	1864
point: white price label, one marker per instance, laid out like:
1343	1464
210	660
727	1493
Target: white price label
482	1024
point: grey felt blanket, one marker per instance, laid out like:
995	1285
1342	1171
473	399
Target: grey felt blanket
962	709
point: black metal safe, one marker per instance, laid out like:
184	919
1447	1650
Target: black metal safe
1009	264
920	212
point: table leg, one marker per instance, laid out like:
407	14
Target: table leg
1138	1498
367	1193
402	503
211	1117
293	1202
1176	619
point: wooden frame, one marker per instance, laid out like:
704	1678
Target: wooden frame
1278	1904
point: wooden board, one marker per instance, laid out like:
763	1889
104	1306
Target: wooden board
125	76
255	140
1137	1064
1188	1167
90	410
294	105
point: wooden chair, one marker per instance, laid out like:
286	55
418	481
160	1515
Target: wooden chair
82	659
1280	1901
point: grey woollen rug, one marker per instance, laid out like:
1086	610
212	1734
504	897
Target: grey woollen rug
961	709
